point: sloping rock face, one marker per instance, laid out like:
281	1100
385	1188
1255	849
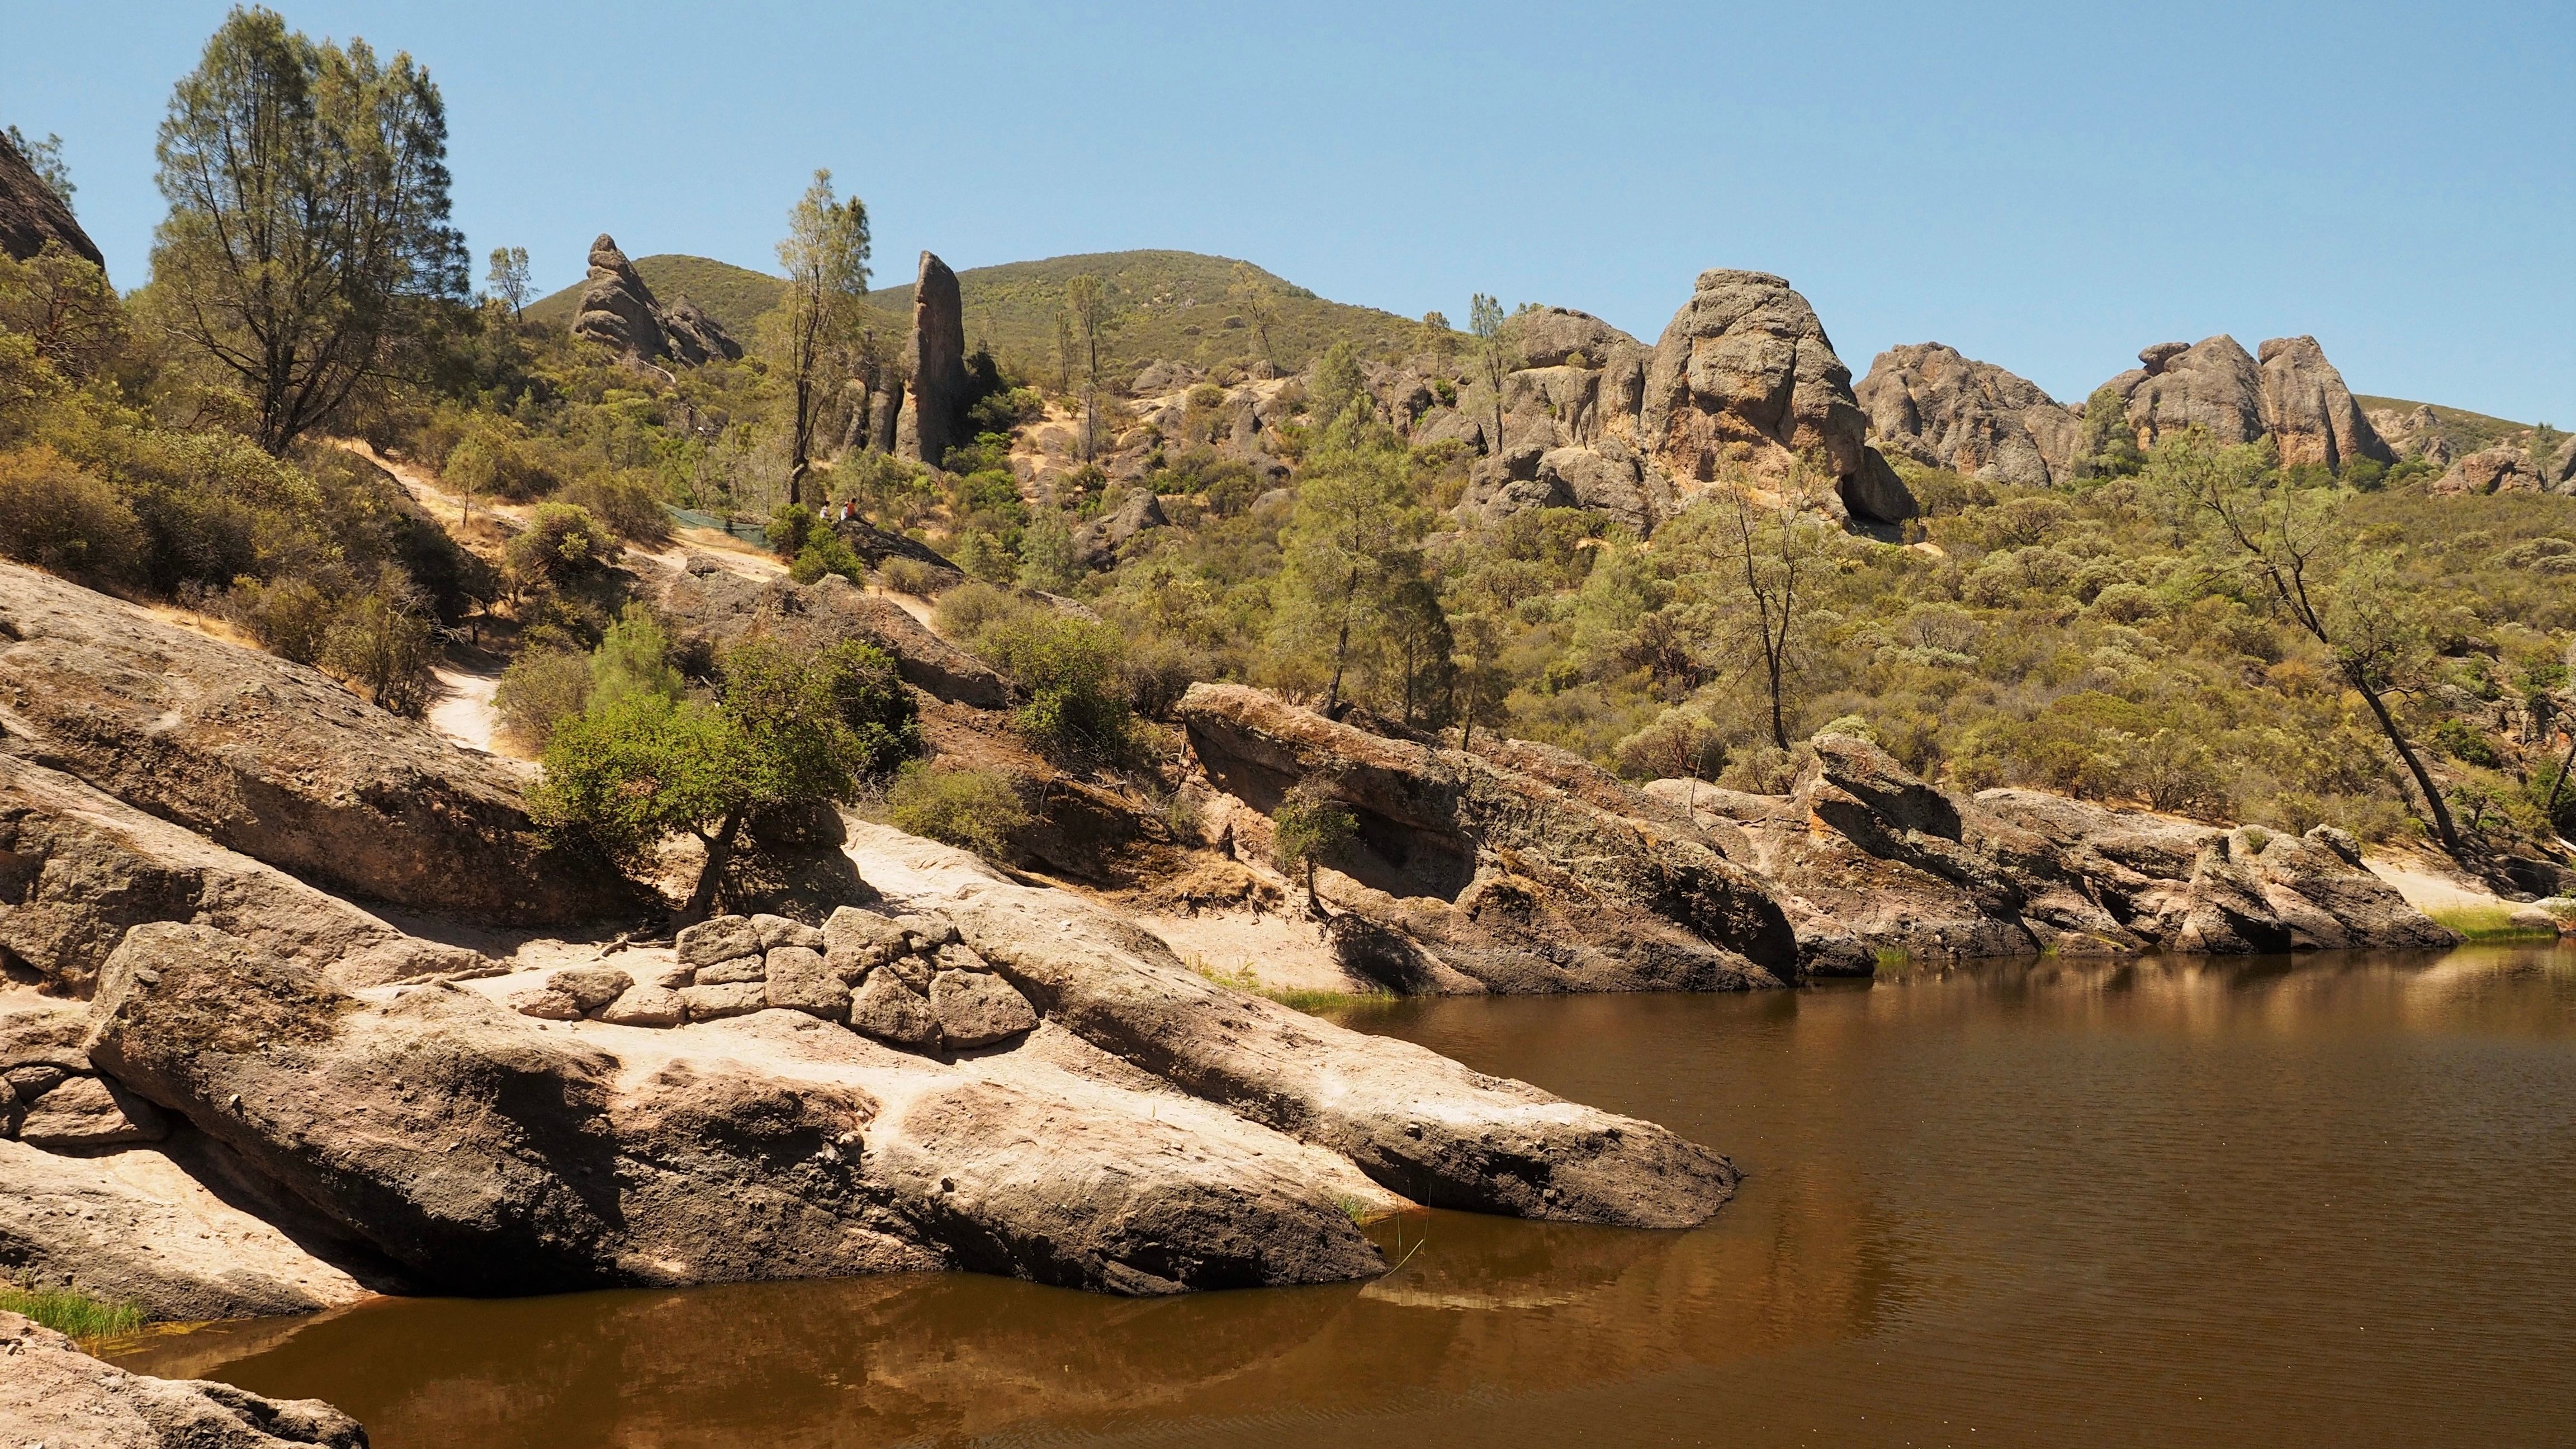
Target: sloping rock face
1500	874
1902	867
54	1395
274	760
1744	376
2310	414
1561	336
617	310
933	417
2414	433
708	602
1945	410
32	215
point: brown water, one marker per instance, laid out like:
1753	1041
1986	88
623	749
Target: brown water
2327	1202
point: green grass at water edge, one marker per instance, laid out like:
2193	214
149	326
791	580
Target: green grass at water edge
1295	998
71	1313
2488	923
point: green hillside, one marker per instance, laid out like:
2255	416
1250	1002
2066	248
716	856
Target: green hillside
2467	431
1169	305
734	296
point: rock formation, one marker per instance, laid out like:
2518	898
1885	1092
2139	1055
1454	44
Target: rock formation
54	1396
2414	433
707	603
32	215
274	760
1944	410
933	416
2293	396
1745	378
617	310
2508	468
2310	414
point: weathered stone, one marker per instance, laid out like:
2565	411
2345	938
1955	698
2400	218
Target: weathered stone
646	1005
592	987
735	972
934	411
2212	385
926	933
890	1011
31	215
1944	410
911	968
956	956
777	931
715	1003
90	1112
977	1009
1556	336
277	761
856	940
2504	468
721	938
1097	542
800	981
618	310
53	1396
709	604
2310	413
1745	381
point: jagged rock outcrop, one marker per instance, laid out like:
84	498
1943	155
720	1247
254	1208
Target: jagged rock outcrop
2212	384
2293	395
707	602
1561	336
32	215
274	760
1903	867
1096	543
2507	468
2415	432
617	310
1745	379
1493	870
933	416
2310	414
53	1396
1943	410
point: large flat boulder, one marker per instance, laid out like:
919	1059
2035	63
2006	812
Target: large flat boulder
1529	872
55	1396
708	602
276	761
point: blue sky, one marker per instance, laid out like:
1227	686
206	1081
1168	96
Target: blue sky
2046	187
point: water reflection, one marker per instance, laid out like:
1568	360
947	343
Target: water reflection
2321	1201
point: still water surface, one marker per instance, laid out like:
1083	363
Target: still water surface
2321	1202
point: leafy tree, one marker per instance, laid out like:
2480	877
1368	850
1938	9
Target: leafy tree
45	158
1047	557
1337	385
786	728
1070	674
1494	360
2285	541
2108	447
308	225
1310	825
1253	293
971	809
1776	550
66	307
382	643
509	277
1086	321
826	257
1353	545
1681	744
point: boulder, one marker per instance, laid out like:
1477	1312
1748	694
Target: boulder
57	1397
618	311
85	1112
2310	414
1536	873
1556	336
934	410
977	1009
706	602
1944	410
1097	542
487	1153
800	981
646	1005
719	938
725	999
892	1011
2415	432
570	993
754	967
2504	468
777	931
276	761
2212	384
1745	381
855	941
31	215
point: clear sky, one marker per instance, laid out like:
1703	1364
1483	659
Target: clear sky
2049	187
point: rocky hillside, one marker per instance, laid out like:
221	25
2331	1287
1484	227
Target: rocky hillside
31	215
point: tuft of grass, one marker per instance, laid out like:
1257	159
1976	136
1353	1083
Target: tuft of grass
2488	923
1893	958
71	1313
1296	998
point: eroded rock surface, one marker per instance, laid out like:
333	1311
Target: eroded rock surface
55	1396
2309	412
708	602
933	415
32	215
618	310
274	760
1944	410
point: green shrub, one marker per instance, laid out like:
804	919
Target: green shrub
627	501
563	545
1071	675
972	809
1310	827
541	687
824	553
790	525
288	616
907	575
56	516
383	641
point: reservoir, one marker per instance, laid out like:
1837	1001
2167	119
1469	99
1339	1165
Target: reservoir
2328	1200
